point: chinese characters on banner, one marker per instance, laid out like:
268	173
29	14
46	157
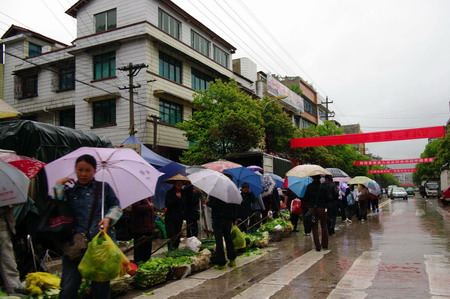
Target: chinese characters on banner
429	132
388	162
392	170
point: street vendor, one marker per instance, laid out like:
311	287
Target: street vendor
176	204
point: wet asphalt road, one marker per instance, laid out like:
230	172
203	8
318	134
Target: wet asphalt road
400	252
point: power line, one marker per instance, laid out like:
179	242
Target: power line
61	23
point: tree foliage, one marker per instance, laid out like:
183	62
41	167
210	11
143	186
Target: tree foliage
438	148
226	120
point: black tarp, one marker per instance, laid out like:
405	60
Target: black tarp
45	142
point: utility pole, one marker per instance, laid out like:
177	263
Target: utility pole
133	70
155	131
328	112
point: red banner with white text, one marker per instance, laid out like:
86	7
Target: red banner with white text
372	171
388	162
429	132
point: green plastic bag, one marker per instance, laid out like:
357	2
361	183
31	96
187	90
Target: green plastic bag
103	260
238	238
162	227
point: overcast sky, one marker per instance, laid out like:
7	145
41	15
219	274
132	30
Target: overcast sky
385	64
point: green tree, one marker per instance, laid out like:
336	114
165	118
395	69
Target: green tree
296	89
278	127
226	120
438	148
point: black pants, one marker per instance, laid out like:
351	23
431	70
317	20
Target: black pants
222	230
331	217
320	216
142	247
342	209
352	211
307	221
173	230
192	228
362	209
294	220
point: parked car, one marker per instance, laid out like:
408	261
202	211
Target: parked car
399	192
410	191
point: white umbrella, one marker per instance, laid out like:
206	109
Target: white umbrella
131	177
216	184
302	171
13	185
7	111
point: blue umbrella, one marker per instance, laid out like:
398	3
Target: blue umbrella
298	185
169	171
279	181
243	175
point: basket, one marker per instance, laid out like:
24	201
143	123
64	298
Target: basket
276	236
286	233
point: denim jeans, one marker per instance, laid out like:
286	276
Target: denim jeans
71	280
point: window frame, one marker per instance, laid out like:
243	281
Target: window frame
106	21
65	114
64	77
200	39
168	24
309	106
37	51
204	79
170	67
25	86
103	107
216	51
174	115
105	59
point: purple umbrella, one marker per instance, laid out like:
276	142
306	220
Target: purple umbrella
254	168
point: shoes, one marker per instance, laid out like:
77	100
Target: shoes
232	263
317	249
220	267
348	220
325	248
362	220
378	210
307	234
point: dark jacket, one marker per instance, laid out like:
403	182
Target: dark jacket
142	217
328	195
311	197
222	210
175	206
245	209
192	204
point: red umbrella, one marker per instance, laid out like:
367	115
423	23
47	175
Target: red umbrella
29	166
221	165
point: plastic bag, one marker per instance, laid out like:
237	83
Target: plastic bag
103	260
37	282
193	244
277	228
162	227
296	206
238	238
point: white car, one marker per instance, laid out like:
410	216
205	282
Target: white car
398	192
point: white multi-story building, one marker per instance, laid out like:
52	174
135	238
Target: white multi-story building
78	85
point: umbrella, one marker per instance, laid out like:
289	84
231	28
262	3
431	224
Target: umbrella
255	168
338	175
268	184
374	188
359	180
193	168
298	185
306	170
131	177
243	175
7	111
169	171
278	180
221	165
29	166
13	185
216	184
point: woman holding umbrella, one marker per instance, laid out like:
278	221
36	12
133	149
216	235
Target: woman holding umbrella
83	198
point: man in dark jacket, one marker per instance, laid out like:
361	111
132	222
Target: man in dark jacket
192	212
223	215
176	205
328	192
318	211
245	209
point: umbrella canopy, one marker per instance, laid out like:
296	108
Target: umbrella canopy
29	166
268	184
168	171
338	175
298	185
302	171
131	177
7	111
374	188
359	180
216	184
255	168
243	175
278	180
13	185
221	165
193	168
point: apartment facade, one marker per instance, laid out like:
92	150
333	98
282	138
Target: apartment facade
80	85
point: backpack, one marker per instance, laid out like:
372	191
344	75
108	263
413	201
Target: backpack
350	199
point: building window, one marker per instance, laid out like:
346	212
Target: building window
34	49
304	123
170	113
220	57
199	80
169	67
199	43
66	78
169	24
105	20
105	65
104	112
309	106
67	118
297	121
29	86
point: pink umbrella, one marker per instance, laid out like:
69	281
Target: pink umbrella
221	165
